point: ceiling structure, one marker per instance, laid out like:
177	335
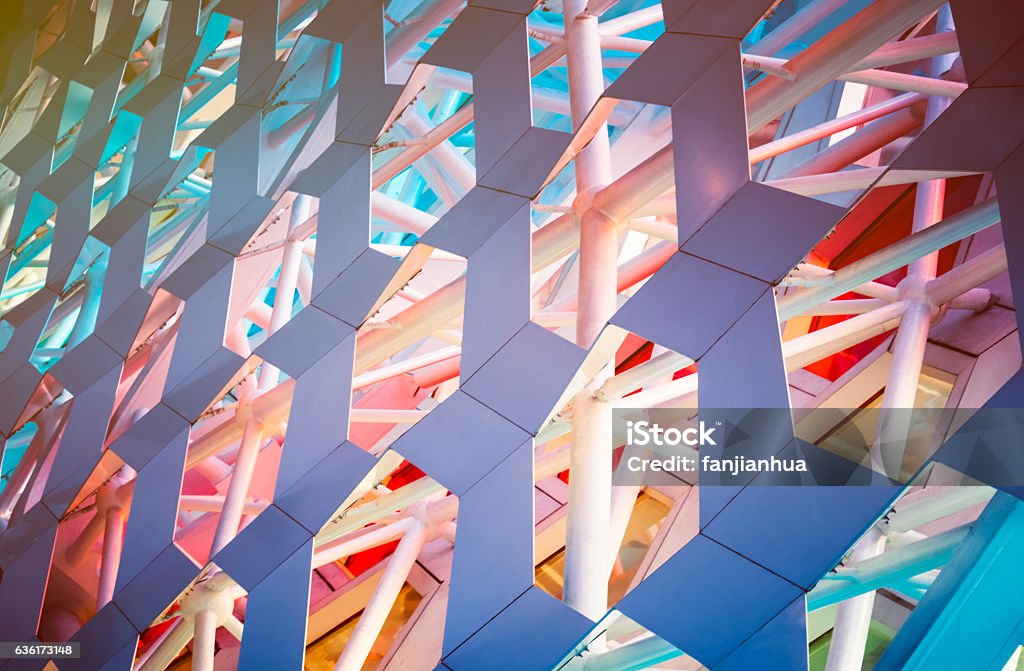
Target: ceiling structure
318	320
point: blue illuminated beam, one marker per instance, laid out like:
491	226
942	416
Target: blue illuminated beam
971	618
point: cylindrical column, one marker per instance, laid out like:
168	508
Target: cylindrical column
590	486
817	345
167	648
113	539
206	606
587	537
7	207
959	286
238	490
912	336
86	538
383	600
901	387
853	616
599	251
586	84
415	28
110	508
367	513
287	280
599	248
622	505
934	503
203	647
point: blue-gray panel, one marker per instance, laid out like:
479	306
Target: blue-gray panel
154	509
305	340
750	350
648	80
315	497
718	613
968	453
70	231
459	442
764	231
1009	175
958	140
780	644
343	222
203	322
675	310
234	234
84	365
82	442
28	319
124	269
122	660
275	616
493	561
156	586
365	100
107	642
318	418
204	384
23	587
502	114
498	276
329	167
733	18
525	168
545	629
261	547
258	51
353	294
23	533
984	37
710	120
800	531
149	435
473	220
337	21
470	38
238	167
120	328
17	390
524	379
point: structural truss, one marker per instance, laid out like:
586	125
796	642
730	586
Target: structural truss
318	318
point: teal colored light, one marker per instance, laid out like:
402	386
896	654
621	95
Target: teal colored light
213	35
13	451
